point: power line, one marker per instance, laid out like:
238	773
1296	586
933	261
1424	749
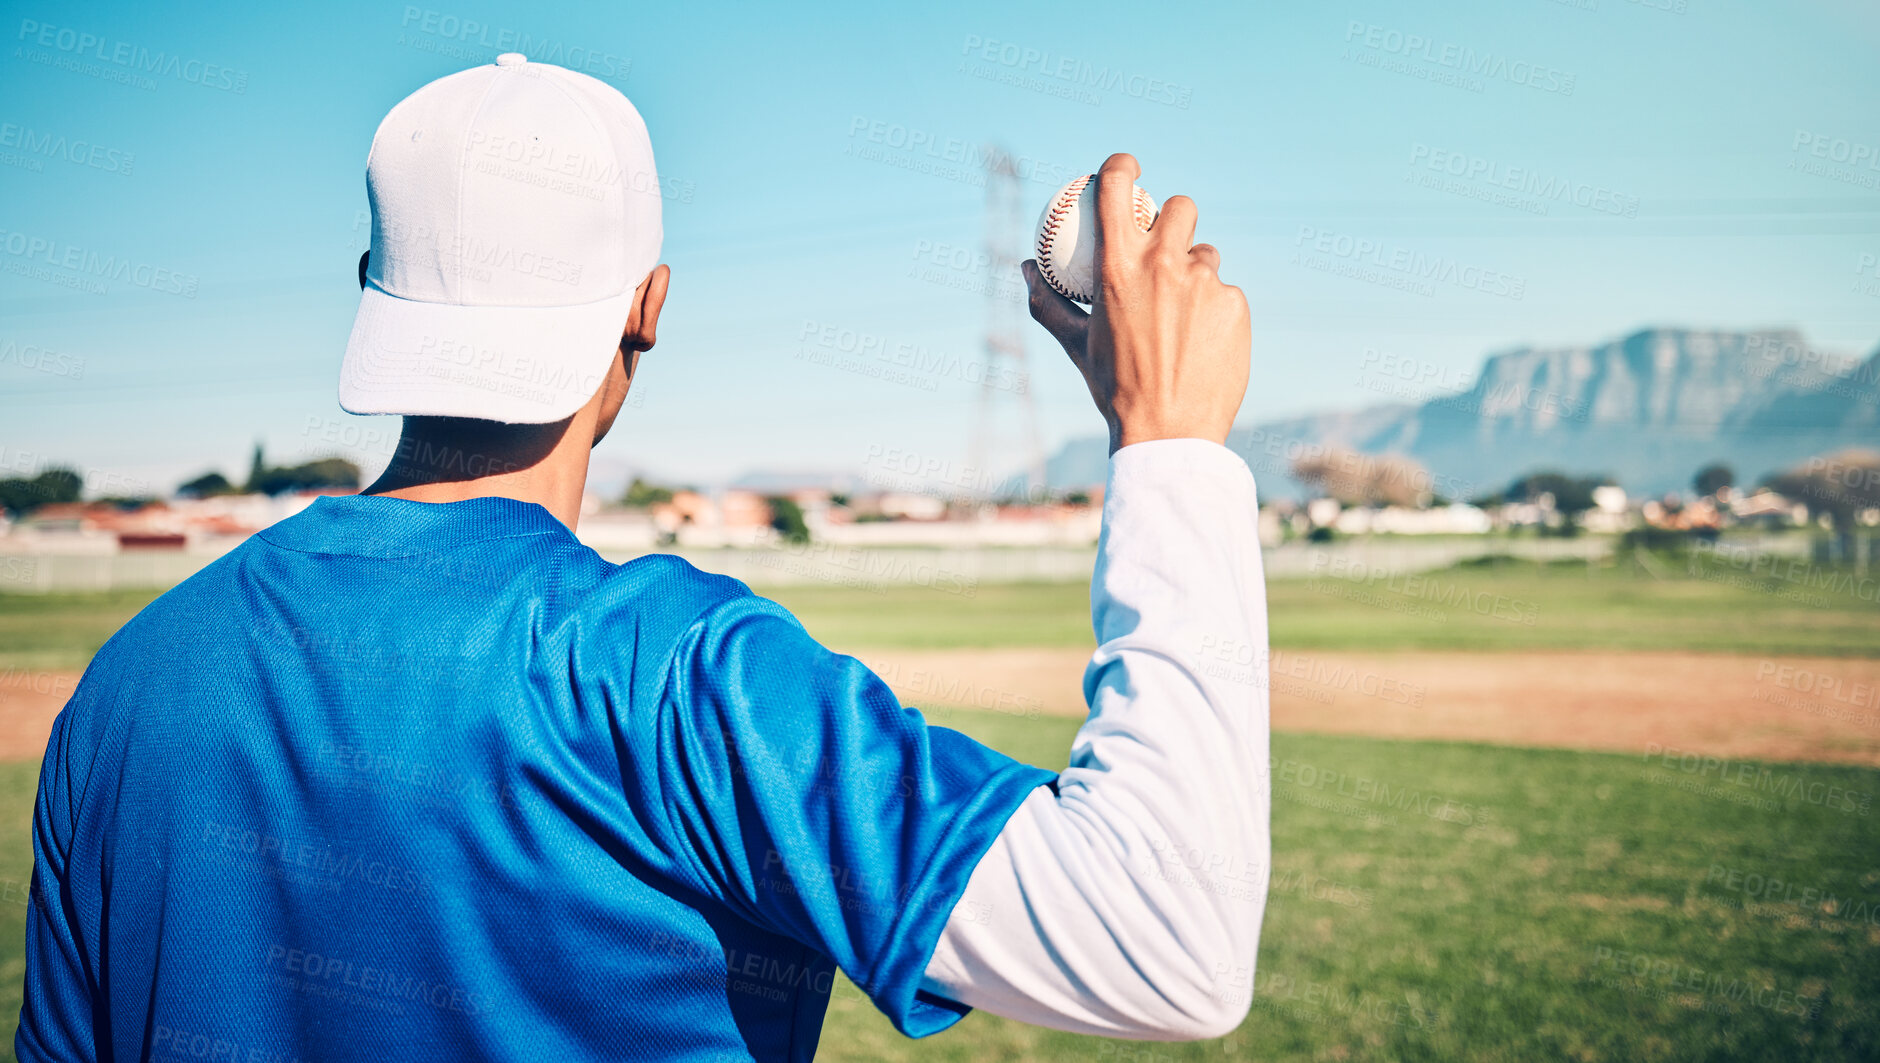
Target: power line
1004	380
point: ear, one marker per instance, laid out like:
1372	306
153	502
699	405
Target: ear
642	329
362	269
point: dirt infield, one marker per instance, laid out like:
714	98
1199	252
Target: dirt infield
28	702
1776	708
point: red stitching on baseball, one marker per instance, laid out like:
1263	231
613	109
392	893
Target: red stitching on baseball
1066	199
1059	207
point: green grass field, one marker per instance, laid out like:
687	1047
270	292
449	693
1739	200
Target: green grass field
18	782
1498	914
62	630
1431	901
1490	606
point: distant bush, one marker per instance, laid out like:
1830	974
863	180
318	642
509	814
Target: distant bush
312	475
1489	561
787	518
1665	540
641	494
208	485
20	496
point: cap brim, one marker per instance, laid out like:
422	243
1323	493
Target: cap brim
515	364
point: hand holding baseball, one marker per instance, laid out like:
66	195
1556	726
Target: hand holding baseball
1165	348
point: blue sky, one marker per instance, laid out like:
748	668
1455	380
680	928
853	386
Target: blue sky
1578	169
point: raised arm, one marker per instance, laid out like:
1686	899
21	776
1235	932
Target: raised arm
1128	903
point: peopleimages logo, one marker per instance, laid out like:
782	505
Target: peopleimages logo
1540	189
37	144
871	138
87	269
39	359
1836	158
1458	58
1758	779
1071	71
1417	271
1837	149
131	57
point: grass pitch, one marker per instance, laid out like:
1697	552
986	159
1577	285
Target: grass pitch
1430	901
1439	901
1701	605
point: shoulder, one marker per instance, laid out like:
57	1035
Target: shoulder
164	638
661	589
200	604
663	603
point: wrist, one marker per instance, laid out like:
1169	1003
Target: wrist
1124	435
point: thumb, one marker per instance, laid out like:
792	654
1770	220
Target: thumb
1067	322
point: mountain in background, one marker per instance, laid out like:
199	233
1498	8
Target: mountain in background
1648	410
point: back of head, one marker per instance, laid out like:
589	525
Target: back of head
515	210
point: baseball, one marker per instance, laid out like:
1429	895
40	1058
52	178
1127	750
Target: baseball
1066	245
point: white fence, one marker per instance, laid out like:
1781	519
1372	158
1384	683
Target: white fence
950	568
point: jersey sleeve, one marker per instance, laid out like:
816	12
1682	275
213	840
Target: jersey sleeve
1129	903
56	1010
806	798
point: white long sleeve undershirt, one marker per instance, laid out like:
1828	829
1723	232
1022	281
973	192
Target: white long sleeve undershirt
1129	903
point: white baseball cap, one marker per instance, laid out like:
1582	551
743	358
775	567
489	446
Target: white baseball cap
515	208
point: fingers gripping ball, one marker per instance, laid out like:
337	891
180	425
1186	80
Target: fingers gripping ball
1066	247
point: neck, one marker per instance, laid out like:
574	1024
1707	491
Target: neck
445	459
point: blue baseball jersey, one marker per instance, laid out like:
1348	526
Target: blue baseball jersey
400	780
